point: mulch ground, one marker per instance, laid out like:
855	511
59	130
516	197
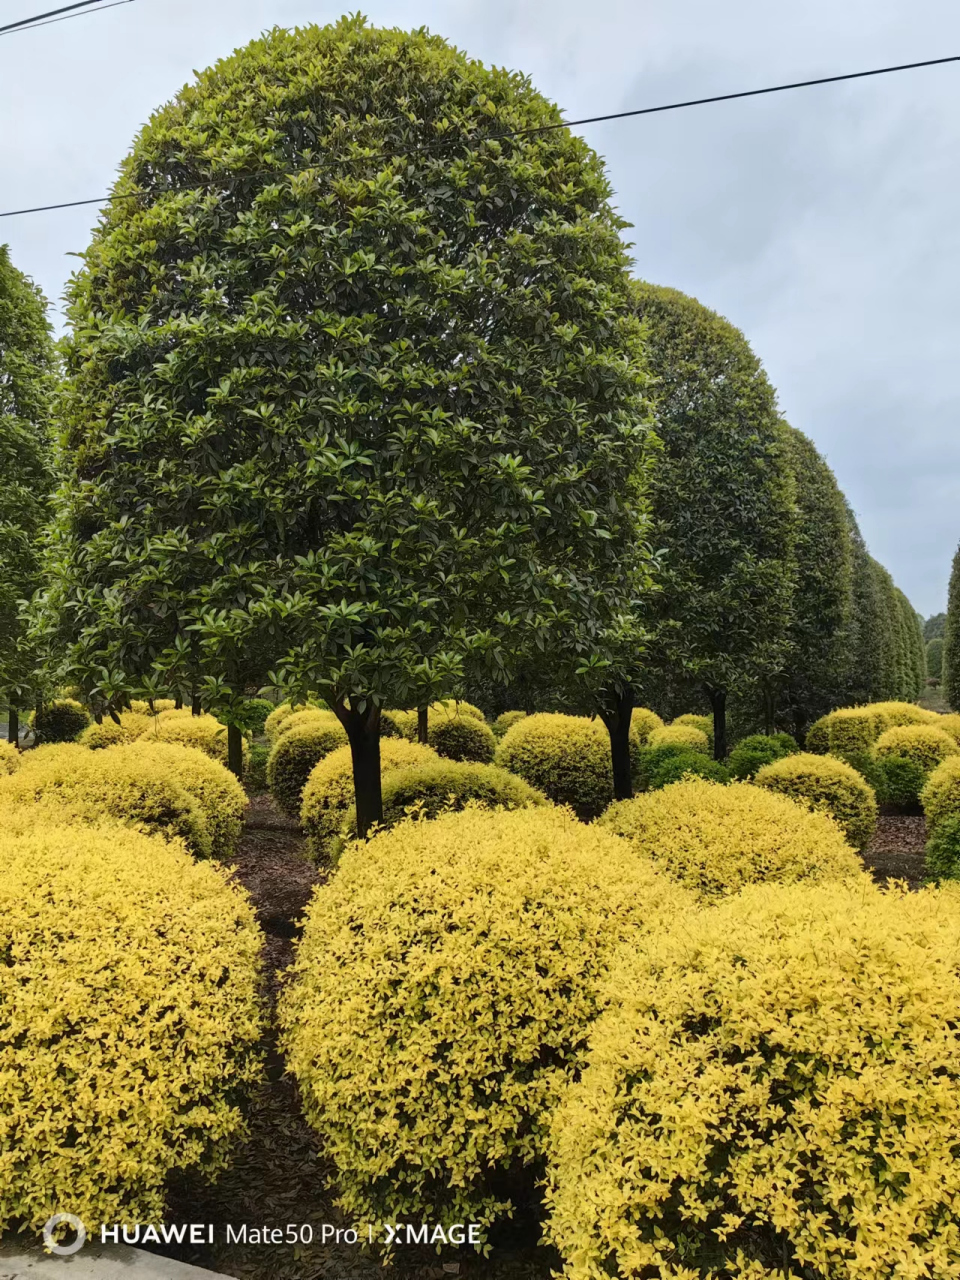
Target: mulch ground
279	1176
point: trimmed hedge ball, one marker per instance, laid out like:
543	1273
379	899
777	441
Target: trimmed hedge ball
462	738
687	764
924	744
901	713
942	853
505	720
451	707
442	996
398	724
828	785
328	795
680	735
715	839
60	721
854	729
949	724
439	786
128	788
940	796
9	758
205	732
817	738
216	790
293	756
703	723
643	721
133	724
140	706
565	757
757	749
773	1091
255	713
129	1021
297	719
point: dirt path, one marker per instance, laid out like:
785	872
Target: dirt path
896	850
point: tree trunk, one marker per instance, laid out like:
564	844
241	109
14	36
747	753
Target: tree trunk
98	717
616	715
769	711
235	750
718	701
13	725
178	703
363	734
195	706
422	724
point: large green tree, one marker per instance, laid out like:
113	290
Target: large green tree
933	627
822	604
355	387
722	500
27	379
951	638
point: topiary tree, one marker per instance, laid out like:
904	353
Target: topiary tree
863	675
722	500
818	633
951	639
933	627
933	658
27	372
354	387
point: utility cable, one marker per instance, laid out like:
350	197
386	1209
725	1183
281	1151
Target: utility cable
563	124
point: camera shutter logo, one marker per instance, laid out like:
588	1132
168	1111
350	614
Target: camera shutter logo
64	1250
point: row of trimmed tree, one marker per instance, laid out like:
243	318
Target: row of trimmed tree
367	404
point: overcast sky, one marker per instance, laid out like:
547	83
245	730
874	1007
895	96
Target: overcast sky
823	222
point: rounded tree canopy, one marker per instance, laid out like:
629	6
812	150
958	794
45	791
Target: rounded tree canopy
355	380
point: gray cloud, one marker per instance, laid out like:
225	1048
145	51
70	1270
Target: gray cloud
823	222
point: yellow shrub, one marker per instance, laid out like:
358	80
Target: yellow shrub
949	724
96	784
399	724
140	706
61	720
221	797
462	738
643	722
132	726
297	719
328	797
775	1091
829	785
680	735
505	720
442	995
716	838
129	1021
293	757
924	744
817	738
565	757
940	796
854	729
901	713
703	723
204	732
275	719
9	758
451	707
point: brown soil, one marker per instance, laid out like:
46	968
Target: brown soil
896	850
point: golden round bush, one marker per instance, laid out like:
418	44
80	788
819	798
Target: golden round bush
940	796
297	720
328	796
774	1092
854	729
817	737
949	724
293	757
133	724
452	707
141	707
97	784
129	1021
828	785
680	735
217	791
901	713
703	723
205	732
924	744
462	738
426	790
9	757
505	720
565	757
715	838
275	719
61	720
442	996
643	721
398	724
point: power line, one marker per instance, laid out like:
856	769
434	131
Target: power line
563	124
26	22
50	21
